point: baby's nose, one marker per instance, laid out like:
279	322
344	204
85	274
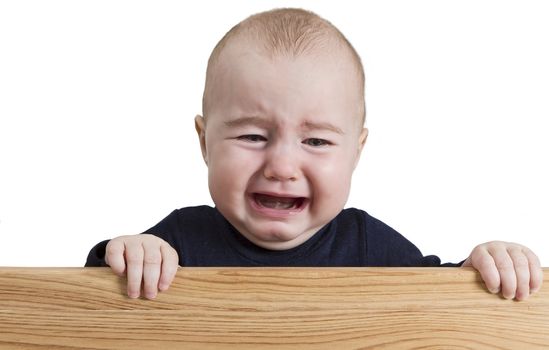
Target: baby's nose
281	164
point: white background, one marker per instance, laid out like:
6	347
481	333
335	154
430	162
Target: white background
97	101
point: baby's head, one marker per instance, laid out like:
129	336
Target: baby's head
282	129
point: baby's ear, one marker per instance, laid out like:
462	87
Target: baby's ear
362	138
361	142
200	126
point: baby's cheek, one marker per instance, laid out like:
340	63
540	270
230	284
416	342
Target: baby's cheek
331	185
228	176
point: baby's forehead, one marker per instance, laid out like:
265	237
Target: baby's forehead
298	91
247	76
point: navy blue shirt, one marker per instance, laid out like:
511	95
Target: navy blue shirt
203	237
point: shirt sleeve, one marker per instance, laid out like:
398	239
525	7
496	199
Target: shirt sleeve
96	256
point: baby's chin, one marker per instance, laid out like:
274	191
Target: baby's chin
277	235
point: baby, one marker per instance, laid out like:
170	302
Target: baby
281	133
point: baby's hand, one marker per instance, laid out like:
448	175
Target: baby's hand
510	268
144	258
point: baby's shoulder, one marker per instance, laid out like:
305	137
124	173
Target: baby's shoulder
185	218
349	215
201	215
365	220
195	212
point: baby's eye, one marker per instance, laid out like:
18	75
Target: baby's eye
316	142
252	138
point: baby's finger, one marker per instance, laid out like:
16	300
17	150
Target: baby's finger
134	270
151	270
522	272
170	263
114	256
484	263
536	273
506	269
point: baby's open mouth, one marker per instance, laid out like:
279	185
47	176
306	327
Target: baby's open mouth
279	203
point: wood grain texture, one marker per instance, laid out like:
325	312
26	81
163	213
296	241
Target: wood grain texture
268	308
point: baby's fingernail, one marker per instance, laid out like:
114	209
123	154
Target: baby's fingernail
521	296
494	290
162	286
133	295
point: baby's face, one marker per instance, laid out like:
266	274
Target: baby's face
281	141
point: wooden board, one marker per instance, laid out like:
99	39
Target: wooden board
268	308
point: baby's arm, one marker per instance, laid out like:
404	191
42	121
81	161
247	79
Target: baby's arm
510	268
144	259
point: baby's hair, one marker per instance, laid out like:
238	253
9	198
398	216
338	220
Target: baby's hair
288	31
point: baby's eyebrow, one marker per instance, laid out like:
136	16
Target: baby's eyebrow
264	123
243	121
310	125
